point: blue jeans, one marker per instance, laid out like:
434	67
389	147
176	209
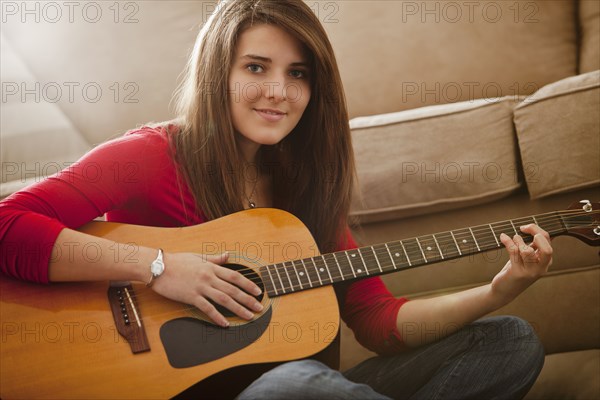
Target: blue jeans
492	358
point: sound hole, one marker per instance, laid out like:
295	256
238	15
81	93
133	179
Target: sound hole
248	273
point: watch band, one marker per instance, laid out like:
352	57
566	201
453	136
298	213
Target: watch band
157	267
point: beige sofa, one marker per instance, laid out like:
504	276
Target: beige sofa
463	113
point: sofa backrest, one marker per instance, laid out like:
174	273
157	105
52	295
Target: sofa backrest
393	55
91	71
398	55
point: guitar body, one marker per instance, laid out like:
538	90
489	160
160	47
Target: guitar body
61	341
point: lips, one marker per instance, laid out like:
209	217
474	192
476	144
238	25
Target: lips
270	114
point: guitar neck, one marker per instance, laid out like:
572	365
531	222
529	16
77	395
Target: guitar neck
326	269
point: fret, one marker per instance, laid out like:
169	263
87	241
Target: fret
513	226
376	259
556	222
485	237
475	240
550	223
414	251
326	268
307	274
339	267
343	261
398	255
363	261
501	227
272	281
438	246
429	248
264	276
465	241
279	276
317	271
525	221
391	258
321	269
353	258
361	269
382	255
285	269
331	263
297	275
350	262
494	235
421	248
447	245
457	248
406	254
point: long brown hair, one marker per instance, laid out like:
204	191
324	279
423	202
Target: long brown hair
312	169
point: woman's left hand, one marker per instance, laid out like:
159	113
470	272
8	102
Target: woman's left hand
527	263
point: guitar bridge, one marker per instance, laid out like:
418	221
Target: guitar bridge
127	316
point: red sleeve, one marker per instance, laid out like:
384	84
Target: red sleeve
370	310
102	180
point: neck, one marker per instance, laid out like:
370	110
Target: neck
296	275
248	149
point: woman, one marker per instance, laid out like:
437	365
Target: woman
263	94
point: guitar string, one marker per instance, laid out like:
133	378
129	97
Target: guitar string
181	309
417	254
447	242
486	245
369	257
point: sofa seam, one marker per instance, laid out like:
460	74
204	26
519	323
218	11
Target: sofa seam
503	100
525	103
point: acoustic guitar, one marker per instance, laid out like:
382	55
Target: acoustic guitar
122	340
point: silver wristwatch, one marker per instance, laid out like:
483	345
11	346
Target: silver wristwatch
156	268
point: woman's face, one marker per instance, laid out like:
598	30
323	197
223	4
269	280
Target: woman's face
269	86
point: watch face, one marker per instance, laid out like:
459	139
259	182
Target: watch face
157	267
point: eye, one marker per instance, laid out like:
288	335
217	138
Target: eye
254	68
298	74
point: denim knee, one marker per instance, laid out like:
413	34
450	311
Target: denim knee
288	380
519	333
306	379
523	351
532	348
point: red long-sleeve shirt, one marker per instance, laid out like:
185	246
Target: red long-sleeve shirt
132	179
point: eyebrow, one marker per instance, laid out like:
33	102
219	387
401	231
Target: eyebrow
268	60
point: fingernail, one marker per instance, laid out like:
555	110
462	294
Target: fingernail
248	314
225	324
257	291
257	307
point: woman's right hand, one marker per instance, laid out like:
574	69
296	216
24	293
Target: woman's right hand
196	278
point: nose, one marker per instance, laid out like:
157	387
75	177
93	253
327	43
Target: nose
275	90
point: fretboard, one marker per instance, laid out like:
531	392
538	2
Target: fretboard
296	275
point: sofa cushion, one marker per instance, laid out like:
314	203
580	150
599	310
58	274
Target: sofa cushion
558	129
589	20
434	158
399	55
557	380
